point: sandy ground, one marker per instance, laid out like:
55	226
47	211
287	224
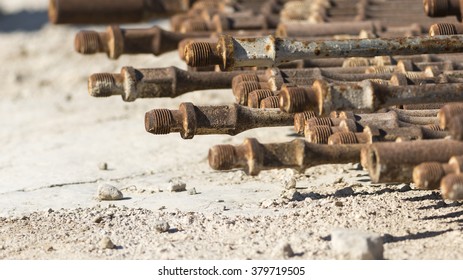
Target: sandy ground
53	136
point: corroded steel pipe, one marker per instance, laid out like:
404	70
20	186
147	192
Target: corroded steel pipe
191	120
365	96
253	156
394	162
116	41
171	82
268	51
112	11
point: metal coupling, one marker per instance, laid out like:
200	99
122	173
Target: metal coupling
269	51
116	41
171	82
191	120
254	157
389	162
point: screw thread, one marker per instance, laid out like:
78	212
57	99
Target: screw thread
101	84
434	127
301	118
294	99
428	175
318	134
442	29
415	75
199	54
343	138
380	70
158	121
436	8
319	122
270	102
222	157
87	42
243	78
355	62
451	187
380	81
257	96
194	25
243	90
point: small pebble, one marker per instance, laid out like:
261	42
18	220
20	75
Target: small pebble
220	200
267	203
162	226
405	188
338	203
192	191
98	219
290	184
106	243
109	192
176	186
103	166
356	245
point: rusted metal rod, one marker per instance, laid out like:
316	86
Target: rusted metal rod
365	96
116	41
427	176
451	187
394	162
372	134
253	156
170	82
191	120
269	51
112	11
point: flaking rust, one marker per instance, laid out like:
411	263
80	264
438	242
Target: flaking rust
254	157
192	120
269	51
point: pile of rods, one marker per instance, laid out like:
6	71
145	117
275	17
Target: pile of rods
360	80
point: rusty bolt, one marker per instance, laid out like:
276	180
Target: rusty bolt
372	134
191	120
255	97
394	161
112	11
451	187
428	175
299	154
171	82
445	29
447	112
367	96
320	134
116	41
268	51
